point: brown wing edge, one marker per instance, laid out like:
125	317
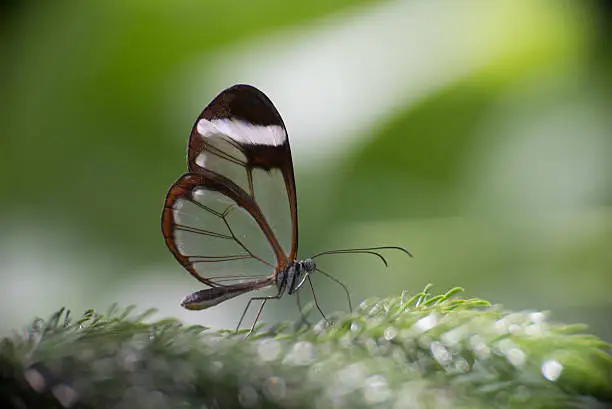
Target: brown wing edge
247	103
184	187
177	190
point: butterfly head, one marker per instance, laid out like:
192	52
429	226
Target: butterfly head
294	275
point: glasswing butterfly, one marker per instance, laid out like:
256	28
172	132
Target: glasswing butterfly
231	220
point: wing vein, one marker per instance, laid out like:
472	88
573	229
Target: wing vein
242	245
213	150
214	259
196	230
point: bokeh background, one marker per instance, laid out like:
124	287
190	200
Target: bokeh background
476	134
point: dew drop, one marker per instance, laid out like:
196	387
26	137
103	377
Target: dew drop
516	357
247	397
440	353
65	395
390	333
275	388
302	353
269	350
425	323
35	380
551	370
376	389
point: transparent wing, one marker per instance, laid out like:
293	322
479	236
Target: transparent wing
233	217
241	136
217	232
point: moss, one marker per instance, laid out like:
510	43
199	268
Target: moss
419	351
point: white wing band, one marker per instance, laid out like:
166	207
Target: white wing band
243	132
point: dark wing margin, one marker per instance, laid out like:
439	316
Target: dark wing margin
241	129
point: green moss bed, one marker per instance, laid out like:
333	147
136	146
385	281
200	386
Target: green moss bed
421	351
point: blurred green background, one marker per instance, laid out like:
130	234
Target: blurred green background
476	134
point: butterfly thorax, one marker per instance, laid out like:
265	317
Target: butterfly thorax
292	277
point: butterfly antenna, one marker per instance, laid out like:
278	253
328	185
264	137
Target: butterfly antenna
341	284
365	250
353	251
402	249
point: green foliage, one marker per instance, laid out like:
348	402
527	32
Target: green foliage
419	351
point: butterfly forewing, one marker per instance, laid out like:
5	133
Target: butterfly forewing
233	216
241	136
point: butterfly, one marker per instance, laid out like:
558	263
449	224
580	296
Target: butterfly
231	221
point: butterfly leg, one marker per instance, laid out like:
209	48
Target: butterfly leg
314	297
264	300
299	304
